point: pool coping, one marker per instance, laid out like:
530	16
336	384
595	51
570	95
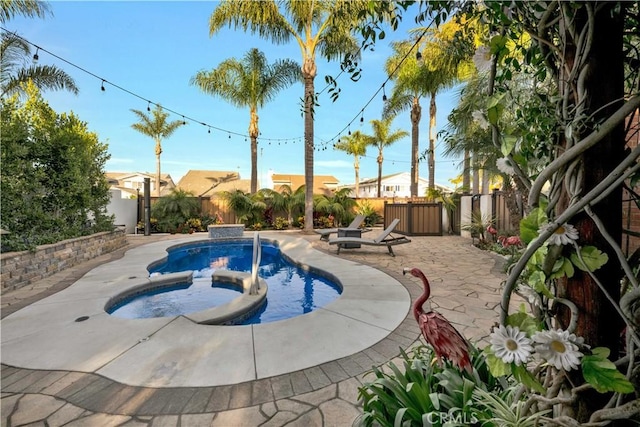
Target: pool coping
175	352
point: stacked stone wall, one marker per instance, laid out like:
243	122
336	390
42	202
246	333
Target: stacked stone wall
19	269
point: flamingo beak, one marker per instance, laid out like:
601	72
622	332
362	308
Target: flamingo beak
405	270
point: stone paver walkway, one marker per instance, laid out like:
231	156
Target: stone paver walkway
465	289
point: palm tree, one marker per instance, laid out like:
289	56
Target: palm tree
381	138
319	27
27	8
339	204
438	63
251	82
15	54
285	200
155	125
355	144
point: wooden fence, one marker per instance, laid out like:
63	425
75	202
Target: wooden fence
416	219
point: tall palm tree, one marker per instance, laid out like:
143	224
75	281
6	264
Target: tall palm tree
251	82
15	54
383	137
355	144
156	126
442	60
319	27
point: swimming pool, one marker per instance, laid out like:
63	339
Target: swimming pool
292	290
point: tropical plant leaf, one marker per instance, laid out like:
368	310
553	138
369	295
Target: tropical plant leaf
593	258
562	267
524	322
496	366
530	224
602	374
521	373
537	282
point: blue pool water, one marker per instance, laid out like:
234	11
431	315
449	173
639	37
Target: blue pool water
292	290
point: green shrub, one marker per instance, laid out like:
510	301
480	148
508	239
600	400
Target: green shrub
280	223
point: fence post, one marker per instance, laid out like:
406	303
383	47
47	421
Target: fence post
410	218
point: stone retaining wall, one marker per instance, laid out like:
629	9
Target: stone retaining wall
18	269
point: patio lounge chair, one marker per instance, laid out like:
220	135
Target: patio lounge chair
325	233
383	239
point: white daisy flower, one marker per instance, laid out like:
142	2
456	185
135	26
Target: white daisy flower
482	58
504	165
563	235
479	118
558	348
511	344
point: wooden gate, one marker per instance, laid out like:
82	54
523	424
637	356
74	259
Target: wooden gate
416	219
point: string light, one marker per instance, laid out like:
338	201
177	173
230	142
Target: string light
382	87
35	55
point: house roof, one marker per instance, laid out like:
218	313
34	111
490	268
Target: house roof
206	182
115	179
321	183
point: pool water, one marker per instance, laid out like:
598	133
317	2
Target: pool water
292	291
182	298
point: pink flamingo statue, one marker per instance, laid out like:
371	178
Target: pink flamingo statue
446	341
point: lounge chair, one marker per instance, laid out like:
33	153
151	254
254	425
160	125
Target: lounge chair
325	233
383	239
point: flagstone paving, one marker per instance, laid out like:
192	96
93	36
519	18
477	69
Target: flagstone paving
465	289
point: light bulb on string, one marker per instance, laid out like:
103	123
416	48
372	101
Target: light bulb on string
384	95
102	86
229	136
184	122
149	106
35	55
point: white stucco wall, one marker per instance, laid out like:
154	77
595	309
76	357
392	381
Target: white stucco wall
124	210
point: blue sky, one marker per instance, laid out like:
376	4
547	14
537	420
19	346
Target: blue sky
153	48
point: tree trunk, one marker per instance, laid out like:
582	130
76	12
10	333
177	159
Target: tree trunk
253	136
356	166
158	153
416	114
309	73
598	322
432	142
475	189
380	160
466	172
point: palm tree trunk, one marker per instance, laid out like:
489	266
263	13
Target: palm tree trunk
416	113
466	172
475	189
380	160
158	152
309	73
253	136
432	142
356	166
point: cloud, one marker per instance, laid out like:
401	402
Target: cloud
335	164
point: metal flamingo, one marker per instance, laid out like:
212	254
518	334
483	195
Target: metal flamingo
446	341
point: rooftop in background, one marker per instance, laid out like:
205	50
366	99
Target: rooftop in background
204	183
322	184
130	182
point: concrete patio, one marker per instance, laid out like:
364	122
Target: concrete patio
171	372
